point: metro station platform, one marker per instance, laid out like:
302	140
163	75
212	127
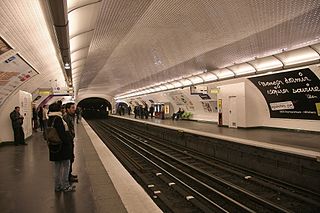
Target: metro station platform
26	180
288	141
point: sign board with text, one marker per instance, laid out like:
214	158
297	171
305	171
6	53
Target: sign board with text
293	95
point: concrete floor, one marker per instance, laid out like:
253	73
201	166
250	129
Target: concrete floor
26	181
27	184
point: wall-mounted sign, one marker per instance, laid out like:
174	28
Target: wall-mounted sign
214	90
204	96
294	94
199	89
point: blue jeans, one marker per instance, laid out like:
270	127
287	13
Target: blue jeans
61	174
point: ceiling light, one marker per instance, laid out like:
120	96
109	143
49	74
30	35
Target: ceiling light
298	57
196	79
186	82
267	63
163	87
67	66
208	76
242	69
176	84
223	73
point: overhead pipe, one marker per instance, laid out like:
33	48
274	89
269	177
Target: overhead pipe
59	13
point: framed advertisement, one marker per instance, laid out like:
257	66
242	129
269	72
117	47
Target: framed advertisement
294	94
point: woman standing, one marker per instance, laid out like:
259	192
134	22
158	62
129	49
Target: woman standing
60	154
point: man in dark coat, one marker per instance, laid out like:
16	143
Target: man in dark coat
146	111
129	110
34	119
151	111
69	118
62	153
17	121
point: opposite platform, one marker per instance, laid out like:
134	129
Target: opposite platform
300	143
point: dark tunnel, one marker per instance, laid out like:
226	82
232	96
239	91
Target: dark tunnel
93	108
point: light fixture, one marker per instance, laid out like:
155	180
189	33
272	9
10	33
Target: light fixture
298	57
185	82
208	76
67	66
169	86
223	73
176	84
267	63
163	87
242	69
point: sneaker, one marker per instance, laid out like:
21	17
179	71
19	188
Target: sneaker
73	180
69	189
74	176
58	189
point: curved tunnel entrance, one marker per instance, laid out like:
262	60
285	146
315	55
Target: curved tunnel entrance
94	107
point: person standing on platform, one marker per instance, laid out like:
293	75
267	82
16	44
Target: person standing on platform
34	119
151	111
146	111
129	110
122	110
17	121
135	111
78	114
62	153
69	118
45	118
141	111
40	116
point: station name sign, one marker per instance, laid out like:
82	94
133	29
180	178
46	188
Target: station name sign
293	94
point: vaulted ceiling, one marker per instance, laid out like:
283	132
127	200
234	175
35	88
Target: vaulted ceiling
120	45
141	42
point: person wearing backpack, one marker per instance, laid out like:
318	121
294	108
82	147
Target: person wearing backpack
60	148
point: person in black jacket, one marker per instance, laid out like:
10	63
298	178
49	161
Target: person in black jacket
69	118
17	121
60	154
40	116
34	119
151	110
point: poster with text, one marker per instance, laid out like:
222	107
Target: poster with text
14	71
294	94
181	100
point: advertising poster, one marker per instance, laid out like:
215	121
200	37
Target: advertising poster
209	106
293	95
181	100
14	71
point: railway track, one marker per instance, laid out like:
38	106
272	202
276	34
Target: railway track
197	183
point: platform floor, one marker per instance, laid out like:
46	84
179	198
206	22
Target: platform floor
26	180
304	143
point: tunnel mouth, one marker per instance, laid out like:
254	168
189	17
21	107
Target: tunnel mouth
95	108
